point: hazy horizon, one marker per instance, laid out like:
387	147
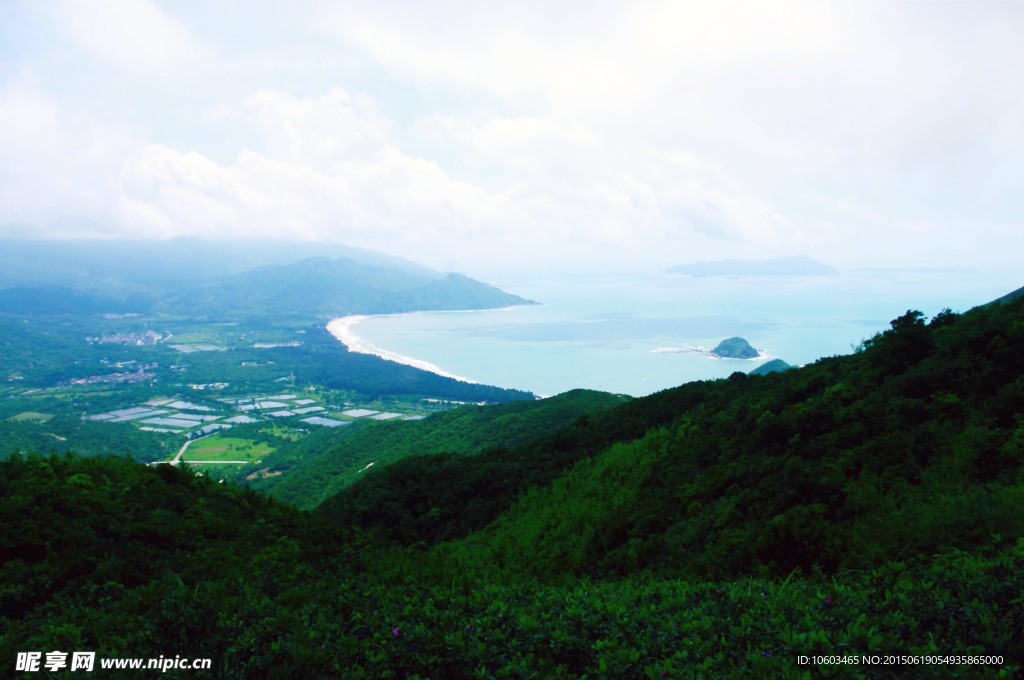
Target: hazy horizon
499	140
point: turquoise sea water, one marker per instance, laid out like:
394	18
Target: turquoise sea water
601	332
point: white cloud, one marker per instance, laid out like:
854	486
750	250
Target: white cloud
326	172
716	200
318	131
454	131
133	34
615	56
27	121
504	134
56	177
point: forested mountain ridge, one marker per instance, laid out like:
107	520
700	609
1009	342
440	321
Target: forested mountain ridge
311	476
324	287
105	555
862	505
111	267
215	280
912	445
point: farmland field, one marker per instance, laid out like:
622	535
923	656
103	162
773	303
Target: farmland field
218	447
283	432
32	416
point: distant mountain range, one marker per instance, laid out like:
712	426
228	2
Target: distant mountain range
206	280
108	266
325	287
796	265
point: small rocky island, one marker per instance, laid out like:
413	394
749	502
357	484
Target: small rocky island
735	348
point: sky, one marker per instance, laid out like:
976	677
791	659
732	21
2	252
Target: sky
494	138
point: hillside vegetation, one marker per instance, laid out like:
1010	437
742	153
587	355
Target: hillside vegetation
321	288
311	475
863	505
913	445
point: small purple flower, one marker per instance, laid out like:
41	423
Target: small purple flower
470	629
396	631
767	654
828	600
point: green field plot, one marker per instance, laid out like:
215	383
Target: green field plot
283	432
31	416
204	333
227	448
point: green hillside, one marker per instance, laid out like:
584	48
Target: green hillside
218	281
860	507
312	476
322	288
913	445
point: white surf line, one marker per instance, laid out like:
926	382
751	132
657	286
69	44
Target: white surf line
341	329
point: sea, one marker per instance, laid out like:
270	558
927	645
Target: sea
639	334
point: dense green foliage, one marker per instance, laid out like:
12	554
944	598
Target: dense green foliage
104	555
313	474
912	445
49	351
60	300
66	433
862	505
429	498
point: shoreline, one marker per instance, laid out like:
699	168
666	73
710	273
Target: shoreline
341	329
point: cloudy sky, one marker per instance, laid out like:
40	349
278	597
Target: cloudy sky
495	137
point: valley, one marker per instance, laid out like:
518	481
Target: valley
247	489
653	340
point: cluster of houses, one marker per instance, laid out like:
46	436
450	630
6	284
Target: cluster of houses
133	339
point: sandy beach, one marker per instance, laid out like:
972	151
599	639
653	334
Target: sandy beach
341	328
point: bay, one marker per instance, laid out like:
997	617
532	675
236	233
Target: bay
605	332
